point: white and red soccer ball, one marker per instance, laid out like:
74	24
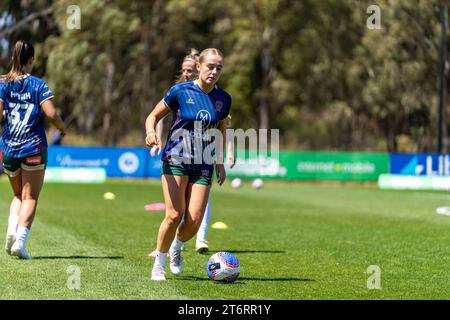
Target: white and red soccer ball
223	266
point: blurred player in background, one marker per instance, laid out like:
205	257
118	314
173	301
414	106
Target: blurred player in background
24	100
185	183
189	73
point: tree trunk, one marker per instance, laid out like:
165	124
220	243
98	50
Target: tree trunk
110	70
266	66
148	38
390	134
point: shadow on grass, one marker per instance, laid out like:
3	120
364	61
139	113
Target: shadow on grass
276	279
75	257
247	279
246	251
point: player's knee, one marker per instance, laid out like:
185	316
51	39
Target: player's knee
173	217
197	221
29	196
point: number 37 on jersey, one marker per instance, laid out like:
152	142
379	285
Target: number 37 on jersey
17	109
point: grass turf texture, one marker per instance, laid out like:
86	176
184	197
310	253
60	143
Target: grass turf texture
293	240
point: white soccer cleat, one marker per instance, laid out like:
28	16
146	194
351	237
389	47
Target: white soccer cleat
21	252
158	273
176	262
201	246
10	239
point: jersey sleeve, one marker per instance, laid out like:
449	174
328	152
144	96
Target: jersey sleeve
44	93
2	90
171	98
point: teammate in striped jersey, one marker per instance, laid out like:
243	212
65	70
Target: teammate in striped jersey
197	105
24	101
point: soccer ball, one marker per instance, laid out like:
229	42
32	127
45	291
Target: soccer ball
236	183
223	266
257	183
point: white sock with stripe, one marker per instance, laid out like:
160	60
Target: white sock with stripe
13	222
201	234
176	244
22	236
160	259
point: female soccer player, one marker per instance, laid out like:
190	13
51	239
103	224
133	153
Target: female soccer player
189	73
25	99
186	174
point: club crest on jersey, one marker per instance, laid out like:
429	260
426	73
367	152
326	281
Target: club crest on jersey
219	105
204	116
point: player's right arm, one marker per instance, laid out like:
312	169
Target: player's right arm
159	132
151	136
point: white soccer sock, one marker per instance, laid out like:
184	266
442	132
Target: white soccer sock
201	234
160	259
22	235
176	244
13	222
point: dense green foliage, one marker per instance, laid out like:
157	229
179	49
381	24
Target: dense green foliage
311	68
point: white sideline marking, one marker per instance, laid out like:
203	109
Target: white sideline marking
443	210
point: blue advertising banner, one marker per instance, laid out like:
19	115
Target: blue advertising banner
421	164
118	162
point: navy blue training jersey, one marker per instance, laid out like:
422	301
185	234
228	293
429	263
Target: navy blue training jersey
192	105
23	132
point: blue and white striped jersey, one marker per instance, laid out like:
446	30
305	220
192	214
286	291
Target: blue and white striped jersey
24	133
191	104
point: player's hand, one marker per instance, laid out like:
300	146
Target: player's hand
155	149
231	160
220	173
151	139
62	132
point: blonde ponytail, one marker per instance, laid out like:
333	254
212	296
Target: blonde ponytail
22	53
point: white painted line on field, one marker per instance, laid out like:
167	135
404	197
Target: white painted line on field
443	210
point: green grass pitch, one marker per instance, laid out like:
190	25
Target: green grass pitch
293	240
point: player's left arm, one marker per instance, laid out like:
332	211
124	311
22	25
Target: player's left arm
50	111
231	159
219	166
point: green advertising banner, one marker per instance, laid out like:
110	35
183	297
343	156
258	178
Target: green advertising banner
290	165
